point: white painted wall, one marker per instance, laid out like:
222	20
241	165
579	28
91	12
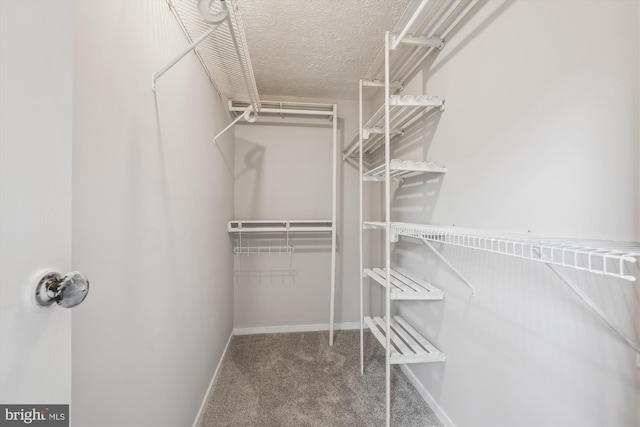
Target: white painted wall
541	134
637	137
283	170
35	197
152	195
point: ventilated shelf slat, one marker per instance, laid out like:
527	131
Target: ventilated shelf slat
407	345
405	286
400	169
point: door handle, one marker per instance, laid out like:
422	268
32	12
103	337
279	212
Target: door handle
67	291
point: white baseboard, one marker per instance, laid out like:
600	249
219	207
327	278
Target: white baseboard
295	328
442	416
211	384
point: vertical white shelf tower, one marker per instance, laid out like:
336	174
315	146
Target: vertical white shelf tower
419	32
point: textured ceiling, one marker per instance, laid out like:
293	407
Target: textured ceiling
315	48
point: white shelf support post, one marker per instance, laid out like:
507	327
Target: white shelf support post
334	221
387	204
455	270
360	174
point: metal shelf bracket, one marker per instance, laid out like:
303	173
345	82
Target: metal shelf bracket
379	83
455	270
424	41
590	304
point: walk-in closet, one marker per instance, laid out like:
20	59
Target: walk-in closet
320	213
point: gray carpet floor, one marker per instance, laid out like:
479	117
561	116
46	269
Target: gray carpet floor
296	379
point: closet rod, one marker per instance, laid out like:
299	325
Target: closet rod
285	108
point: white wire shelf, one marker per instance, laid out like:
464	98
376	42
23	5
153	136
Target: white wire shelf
274	226
608	258
407	345
400	169
224	54
405	286
272	246
404	110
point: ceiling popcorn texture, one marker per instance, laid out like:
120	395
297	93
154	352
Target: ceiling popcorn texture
315	48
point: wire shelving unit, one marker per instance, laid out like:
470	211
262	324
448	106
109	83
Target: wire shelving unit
312	111
215	32
419	32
